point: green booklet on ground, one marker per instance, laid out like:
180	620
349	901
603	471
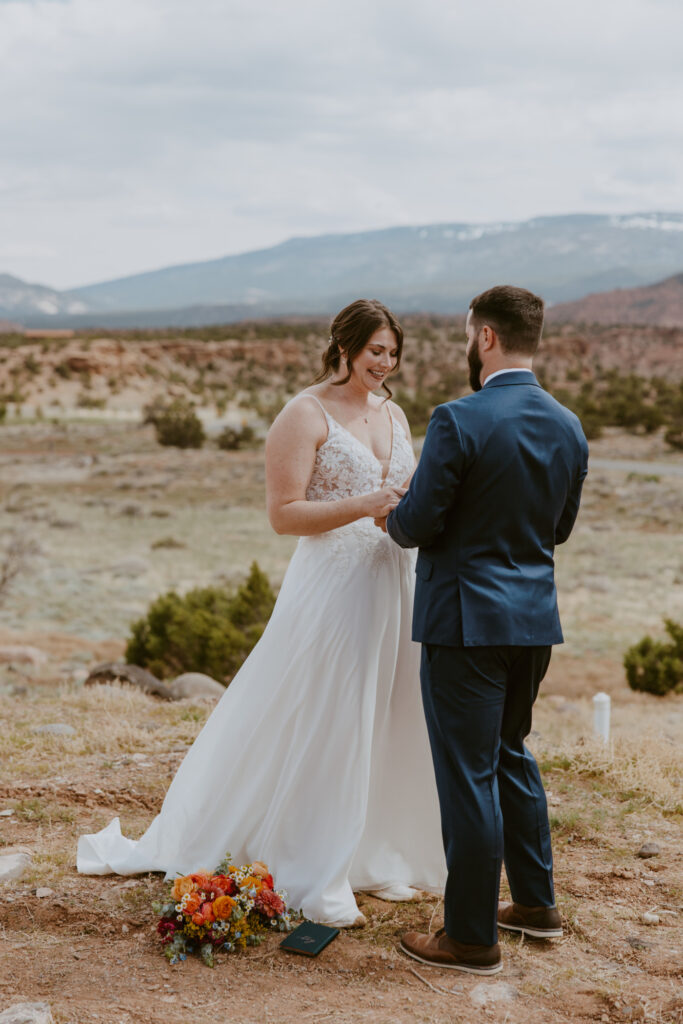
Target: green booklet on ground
309	938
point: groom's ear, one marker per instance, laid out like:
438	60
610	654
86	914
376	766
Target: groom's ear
487	338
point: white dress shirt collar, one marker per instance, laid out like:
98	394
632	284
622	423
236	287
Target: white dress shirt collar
508	369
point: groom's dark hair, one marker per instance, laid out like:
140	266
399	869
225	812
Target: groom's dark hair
515	314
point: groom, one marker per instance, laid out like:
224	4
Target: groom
497	486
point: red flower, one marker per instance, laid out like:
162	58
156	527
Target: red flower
268	881
222	885
269	903
166	930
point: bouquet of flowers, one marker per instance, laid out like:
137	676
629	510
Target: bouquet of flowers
229	909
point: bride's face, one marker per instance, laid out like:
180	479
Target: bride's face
376	360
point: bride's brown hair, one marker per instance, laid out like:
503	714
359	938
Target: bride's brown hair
351	331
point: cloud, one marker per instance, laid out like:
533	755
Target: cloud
138	133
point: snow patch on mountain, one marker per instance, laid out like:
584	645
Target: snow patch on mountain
650	221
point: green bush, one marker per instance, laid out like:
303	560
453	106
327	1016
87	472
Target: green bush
176	423
586	408
209	630
655	666
674	435
229	439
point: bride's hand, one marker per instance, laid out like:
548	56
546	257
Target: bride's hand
379	504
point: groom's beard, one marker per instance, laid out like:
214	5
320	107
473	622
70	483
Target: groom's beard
476	366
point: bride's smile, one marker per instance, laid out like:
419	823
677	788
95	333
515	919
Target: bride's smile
376	361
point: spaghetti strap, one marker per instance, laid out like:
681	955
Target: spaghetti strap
305	394
328	419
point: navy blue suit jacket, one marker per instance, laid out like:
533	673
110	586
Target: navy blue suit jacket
497	486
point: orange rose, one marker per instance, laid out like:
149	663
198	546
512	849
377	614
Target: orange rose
222	908
193	903
260	869
197	918
181	887
201	879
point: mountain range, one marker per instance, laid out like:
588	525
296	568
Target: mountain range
435	268
659	304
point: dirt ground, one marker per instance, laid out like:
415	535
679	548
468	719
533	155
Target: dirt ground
89	946
98	499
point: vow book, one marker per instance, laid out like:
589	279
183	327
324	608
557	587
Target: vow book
309	938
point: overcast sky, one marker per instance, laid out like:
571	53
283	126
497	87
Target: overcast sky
136	134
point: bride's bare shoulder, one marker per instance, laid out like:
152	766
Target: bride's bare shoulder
301	416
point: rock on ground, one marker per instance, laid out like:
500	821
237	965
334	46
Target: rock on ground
27	1013
486	993
131	568
14	862
118	672
22	653
195	684
55	729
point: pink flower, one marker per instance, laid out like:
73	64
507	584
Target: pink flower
269	903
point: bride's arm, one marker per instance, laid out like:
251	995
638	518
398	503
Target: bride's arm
291	447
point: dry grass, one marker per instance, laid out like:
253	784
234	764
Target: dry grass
642	759
649	767
111	722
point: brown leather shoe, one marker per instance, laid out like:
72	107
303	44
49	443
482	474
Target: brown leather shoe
536	922
439	950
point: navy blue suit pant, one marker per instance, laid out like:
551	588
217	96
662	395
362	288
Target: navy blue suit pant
478	703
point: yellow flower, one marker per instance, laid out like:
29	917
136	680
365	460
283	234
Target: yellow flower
251	882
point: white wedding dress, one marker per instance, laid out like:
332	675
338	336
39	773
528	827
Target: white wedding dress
316	760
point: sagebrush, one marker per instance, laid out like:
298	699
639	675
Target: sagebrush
656	666
209	629
176	423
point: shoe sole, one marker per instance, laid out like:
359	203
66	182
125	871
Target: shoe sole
533	933
379	895
465	968
360	922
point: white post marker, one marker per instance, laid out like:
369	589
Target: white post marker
601	715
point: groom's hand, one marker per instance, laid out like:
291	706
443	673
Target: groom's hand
382	523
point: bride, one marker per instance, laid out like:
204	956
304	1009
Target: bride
316	759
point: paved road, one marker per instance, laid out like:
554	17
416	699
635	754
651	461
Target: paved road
633	466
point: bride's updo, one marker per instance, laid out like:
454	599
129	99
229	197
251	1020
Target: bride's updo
350	332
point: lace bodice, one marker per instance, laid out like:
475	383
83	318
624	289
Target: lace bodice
345	467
